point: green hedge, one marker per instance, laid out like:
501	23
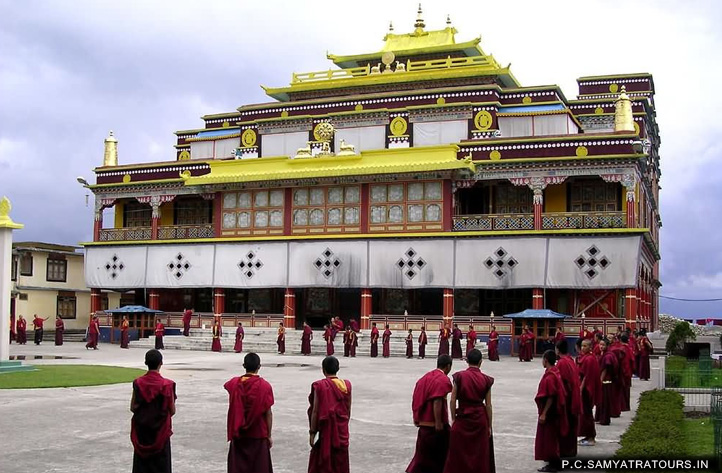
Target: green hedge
656	431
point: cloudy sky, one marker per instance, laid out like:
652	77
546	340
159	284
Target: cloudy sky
72	70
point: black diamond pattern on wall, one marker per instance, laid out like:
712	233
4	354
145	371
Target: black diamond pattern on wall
411	264
250	264
592	263
114	267
327	263
500	263
179	266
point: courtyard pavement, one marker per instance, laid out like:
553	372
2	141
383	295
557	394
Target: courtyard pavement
87	429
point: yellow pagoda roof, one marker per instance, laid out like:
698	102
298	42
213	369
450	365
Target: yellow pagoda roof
373	162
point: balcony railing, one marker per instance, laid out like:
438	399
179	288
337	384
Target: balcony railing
125	234
491	222
584	220
183	232
550	221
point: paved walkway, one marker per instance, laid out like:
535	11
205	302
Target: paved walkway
87	429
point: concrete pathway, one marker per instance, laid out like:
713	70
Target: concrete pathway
87	429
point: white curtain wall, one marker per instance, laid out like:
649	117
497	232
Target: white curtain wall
550	125
201	149
224	148
283	144
515	126
437	133
364	138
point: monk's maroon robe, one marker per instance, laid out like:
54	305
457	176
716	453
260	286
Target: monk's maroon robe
423	340
409	346
444	341
471	446
306	340
570	378
470	341
38	330
124	337
607	364
374	342
151	425
281	340
353	343
354	326
431	445
92	335
493	346
59	329
589	373
250	397
187	315
546	443
328	336
387	343
626	380
330	452
216	343
617	387
238	346
456	344
159	332
645	349
347	343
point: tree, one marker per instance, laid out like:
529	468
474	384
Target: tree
681	333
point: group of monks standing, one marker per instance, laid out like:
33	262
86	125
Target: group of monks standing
19	330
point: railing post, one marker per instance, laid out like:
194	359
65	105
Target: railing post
662	380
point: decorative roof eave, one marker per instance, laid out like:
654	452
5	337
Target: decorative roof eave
282	93
488	162
536	139
214	138
471	48
134	184
158	164
554	87
385	161
220	115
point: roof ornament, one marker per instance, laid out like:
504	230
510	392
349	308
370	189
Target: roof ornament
391	26
419	25
110	157
623	117
448	21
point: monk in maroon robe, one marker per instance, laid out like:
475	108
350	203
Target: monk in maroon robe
645	349
347	342
558	336
124	337
93	333
423	340
328	336
281	340
159	332
374	341
38	328
633	342
21	330
596	348
608	366
59	329
627	372
444	335
526	345
250	420
328	415
618	386
591	389
431	416
552	422
354	326
456	335
573	402
306	338
353	343
410	345
240	335
471	445
386	342
470	340
585	334
217	332
152	405
13	334
187	316
493	344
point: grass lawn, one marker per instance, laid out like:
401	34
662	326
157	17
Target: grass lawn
683	374
699	437
64	376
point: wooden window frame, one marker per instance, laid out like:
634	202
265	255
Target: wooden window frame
525	208
252	228
66	297
405	202
53	261
612	188
199	213
23	255
139	222
325	207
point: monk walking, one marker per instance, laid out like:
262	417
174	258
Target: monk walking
608	366
444	335
240	335
124	337
573	403
353	343
387	342
645	349
471	446
374	341
328	336
493	344
152	405
456	343
187	316
347	342
93	332
470	340
410	345
627	372
250	420
281	340
59	330
306	338
430	411
328	415
591	390
423	340
216	333
38	328
21	327
159	332
552	422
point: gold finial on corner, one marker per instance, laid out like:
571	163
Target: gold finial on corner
5	220
419	25
623	117
110	157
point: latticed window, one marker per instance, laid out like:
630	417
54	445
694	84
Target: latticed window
136	214
66	305
57	269
509	199
326	206
410	202
193	212
26	264
253	209
595	196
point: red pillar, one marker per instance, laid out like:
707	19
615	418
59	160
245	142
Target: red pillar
631	203
366	300
153	299
95	300
630	306
219	300
448	314
289	308
538	205
537	299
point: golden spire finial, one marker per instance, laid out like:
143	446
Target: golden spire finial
391	26
5	220
110	158
419	25
623	117
448	21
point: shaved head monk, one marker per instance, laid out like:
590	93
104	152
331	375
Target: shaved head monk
431	416
470	445
591	388
152	405
328	416
250	420
573	402
552	421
